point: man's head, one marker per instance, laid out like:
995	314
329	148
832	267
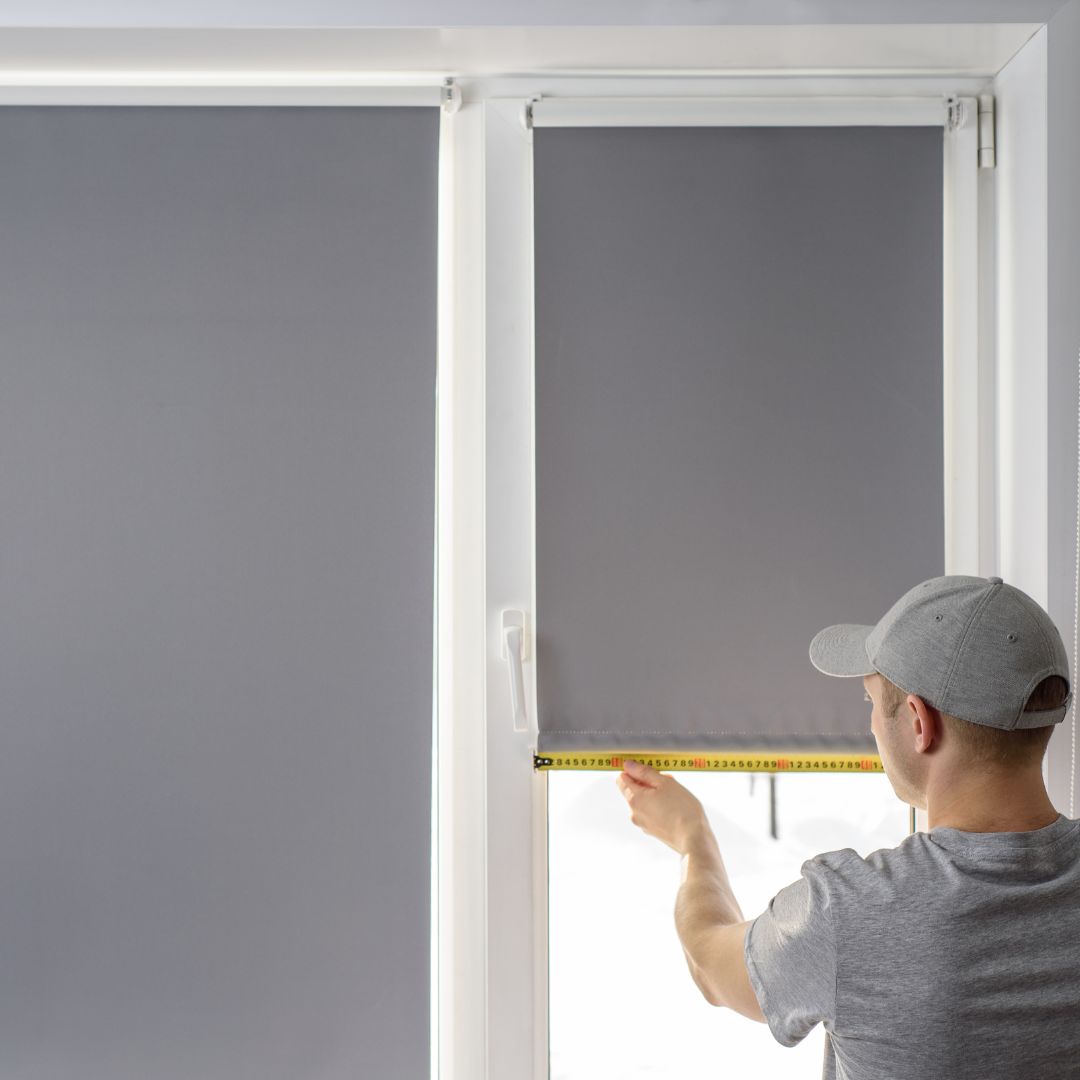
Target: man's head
913	737
961	670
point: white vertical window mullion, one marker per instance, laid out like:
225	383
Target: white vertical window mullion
516	883
460	1004
961	338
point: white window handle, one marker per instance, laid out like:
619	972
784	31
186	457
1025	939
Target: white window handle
514	652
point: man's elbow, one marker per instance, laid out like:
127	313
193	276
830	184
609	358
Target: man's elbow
708	991
728	997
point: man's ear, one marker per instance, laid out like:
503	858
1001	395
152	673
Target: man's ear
925	722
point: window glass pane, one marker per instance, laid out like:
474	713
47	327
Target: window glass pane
623	1005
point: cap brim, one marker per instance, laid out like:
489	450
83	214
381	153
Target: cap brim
841	650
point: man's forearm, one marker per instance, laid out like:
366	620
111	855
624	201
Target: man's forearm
708	919
704	902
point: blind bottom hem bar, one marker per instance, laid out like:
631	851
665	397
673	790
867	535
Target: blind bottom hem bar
720	742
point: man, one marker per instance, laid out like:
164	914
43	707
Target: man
956	954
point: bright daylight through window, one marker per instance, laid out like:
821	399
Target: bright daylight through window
623	1004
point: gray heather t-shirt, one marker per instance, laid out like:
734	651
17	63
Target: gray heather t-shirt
953	956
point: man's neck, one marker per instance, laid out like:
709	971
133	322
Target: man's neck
1003	801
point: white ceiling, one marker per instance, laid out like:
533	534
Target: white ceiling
965	49
435	13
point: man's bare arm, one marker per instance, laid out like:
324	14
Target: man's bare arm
707	916
711	928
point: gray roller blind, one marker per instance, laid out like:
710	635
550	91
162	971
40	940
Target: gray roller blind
217	401
738	423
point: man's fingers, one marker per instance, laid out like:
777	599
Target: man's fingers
632	789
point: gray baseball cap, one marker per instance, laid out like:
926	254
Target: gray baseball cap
971	647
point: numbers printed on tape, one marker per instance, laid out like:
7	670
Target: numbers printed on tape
749	761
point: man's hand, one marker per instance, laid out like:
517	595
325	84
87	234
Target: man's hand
662	807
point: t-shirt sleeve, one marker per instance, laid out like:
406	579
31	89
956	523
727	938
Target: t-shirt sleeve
790	955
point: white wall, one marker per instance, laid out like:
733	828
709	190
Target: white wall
1063	101
1020	89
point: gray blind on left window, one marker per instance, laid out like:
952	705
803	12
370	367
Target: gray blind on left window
217	477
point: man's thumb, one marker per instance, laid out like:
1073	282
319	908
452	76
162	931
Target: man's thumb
641	772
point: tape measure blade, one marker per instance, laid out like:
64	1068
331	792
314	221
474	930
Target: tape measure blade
710	761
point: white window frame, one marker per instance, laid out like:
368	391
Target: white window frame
493	1018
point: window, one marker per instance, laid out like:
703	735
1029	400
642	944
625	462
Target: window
516	893
218	448
731	322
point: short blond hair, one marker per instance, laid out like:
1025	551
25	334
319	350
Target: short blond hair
994	746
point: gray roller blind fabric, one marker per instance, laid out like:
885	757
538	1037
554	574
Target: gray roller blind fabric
738	424
217	404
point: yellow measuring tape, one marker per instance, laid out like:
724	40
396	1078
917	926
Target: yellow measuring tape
685	761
